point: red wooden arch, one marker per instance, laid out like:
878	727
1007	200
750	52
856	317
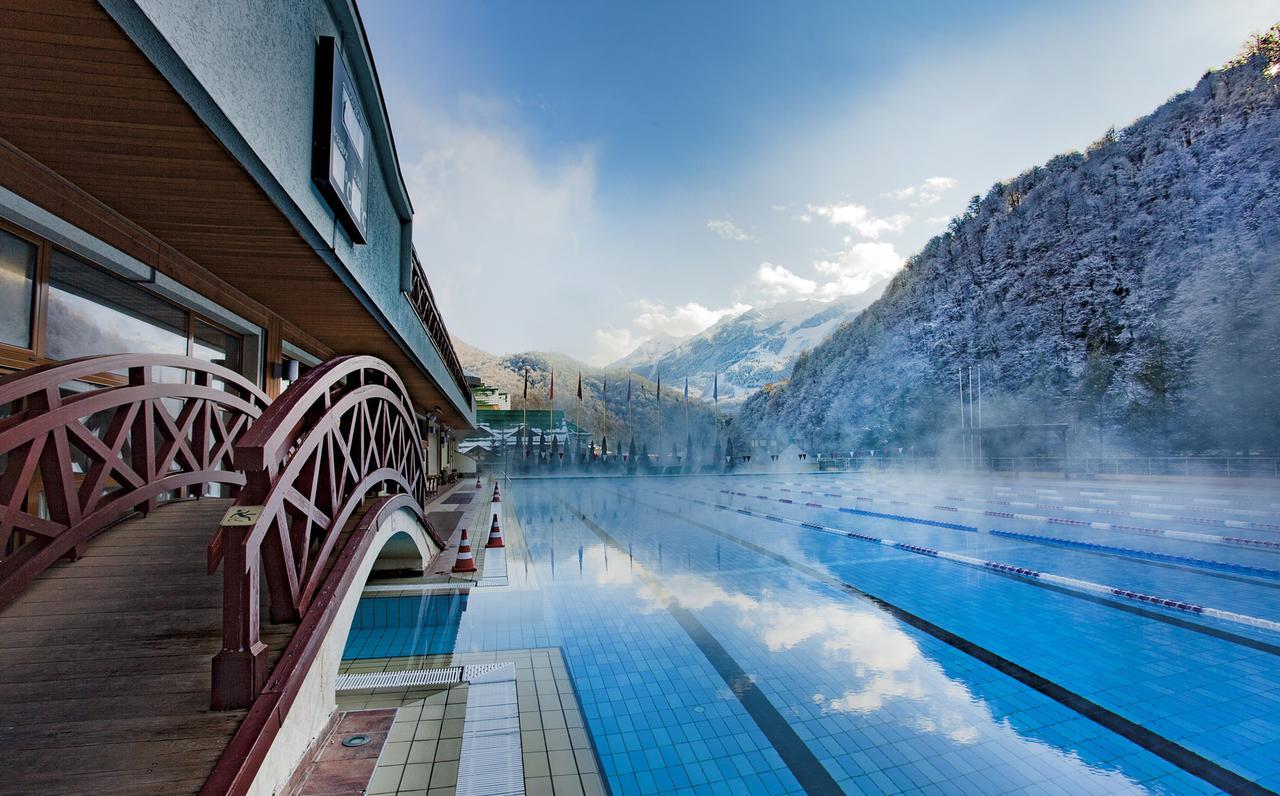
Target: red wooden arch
343	432
91	456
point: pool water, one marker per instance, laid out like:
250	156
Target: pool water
390	627
720	652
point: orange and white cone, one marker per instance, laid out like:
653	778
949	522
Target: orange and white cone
464	562
497	498
495	534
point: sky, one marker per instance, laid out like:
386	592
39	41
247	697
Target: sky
587	175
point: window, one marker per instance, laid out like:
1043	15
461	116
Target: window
92	312
216	345
55	306
17	289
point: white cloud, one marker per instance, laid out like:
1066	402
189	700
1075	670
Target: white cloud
488	214
612	344
778	208
926	193
850	272
778	282
857	268
682	320
653	318
860	219
727	229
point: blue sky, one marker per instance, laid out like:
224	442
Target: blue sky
587	175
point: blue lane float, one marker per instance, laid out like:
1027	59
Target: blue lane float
1202	563
1006	569
954	526
1188	536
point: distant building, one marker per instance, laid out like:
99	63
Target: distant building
491	398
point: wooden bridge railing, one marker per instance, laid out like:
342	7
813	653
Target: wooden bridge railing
76	457
343	432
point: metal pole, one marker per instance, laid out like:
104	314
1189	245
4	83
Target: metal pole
964	439
979	412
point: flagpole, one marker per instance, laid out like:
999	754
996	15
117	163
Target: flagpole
551	408
662	425
526	406
688	454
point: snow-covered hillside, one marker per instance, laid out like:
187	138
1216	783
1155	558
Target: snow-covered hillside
1131	290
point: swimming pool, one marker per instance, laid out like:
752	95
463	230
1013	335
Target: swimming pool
746	643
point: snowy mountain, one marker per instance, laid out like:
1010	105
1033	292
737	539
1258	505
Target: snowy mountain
1131	290
748	350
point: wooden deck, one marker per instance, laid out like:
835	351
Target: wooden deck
105	663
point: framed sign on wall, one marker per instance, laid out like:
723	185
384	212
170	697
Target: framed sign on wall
340	147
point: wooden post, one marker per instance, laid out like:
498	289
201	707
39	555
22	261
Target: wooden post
240	669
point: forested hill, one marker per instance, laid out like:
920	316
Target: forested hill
1132	290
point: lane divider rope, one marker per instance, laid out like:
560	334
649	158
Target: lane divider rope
1187	536
1009	569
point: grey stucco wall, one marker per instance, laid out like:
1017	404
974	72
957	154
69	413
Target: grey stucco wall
255	60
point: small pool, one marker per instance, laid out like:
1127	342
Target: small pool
391	627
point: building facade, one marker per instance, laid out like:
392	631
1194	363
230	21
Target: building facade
208	289
160	194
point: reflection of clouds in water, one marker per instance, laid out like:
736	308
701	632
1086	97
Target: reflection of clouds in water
885	659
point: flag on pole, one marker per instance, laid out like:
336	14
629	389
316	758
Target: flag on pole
579	385
659	388
715	387
628	390
553	386
526	384
686	389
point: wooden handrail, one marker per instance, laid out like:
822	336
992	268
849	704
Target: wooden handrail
135	444
240	761
344	431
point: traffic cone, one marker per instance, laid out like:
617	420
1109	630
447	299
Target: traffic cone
495	534
464	562
497	498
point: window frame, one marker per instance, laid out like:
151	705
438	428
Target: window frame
15	358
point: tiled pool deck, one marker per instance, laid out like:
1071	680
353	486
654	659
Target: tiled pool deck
715	651
422	750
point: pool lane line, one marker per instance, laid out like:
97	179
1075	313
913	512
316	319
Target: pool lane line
979	487
795	753
1128	552
1033	575
1171	751
1205	566
1102	599
1217	523
862	513
1187	536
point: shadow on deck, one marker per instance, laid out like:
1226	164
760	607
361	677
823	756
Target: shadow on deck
104	673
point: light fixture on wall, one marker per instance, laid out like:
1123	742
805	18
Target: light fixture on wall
286	370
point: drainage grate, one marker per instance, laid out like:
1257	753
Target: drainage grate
376	681
491	763
489	672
